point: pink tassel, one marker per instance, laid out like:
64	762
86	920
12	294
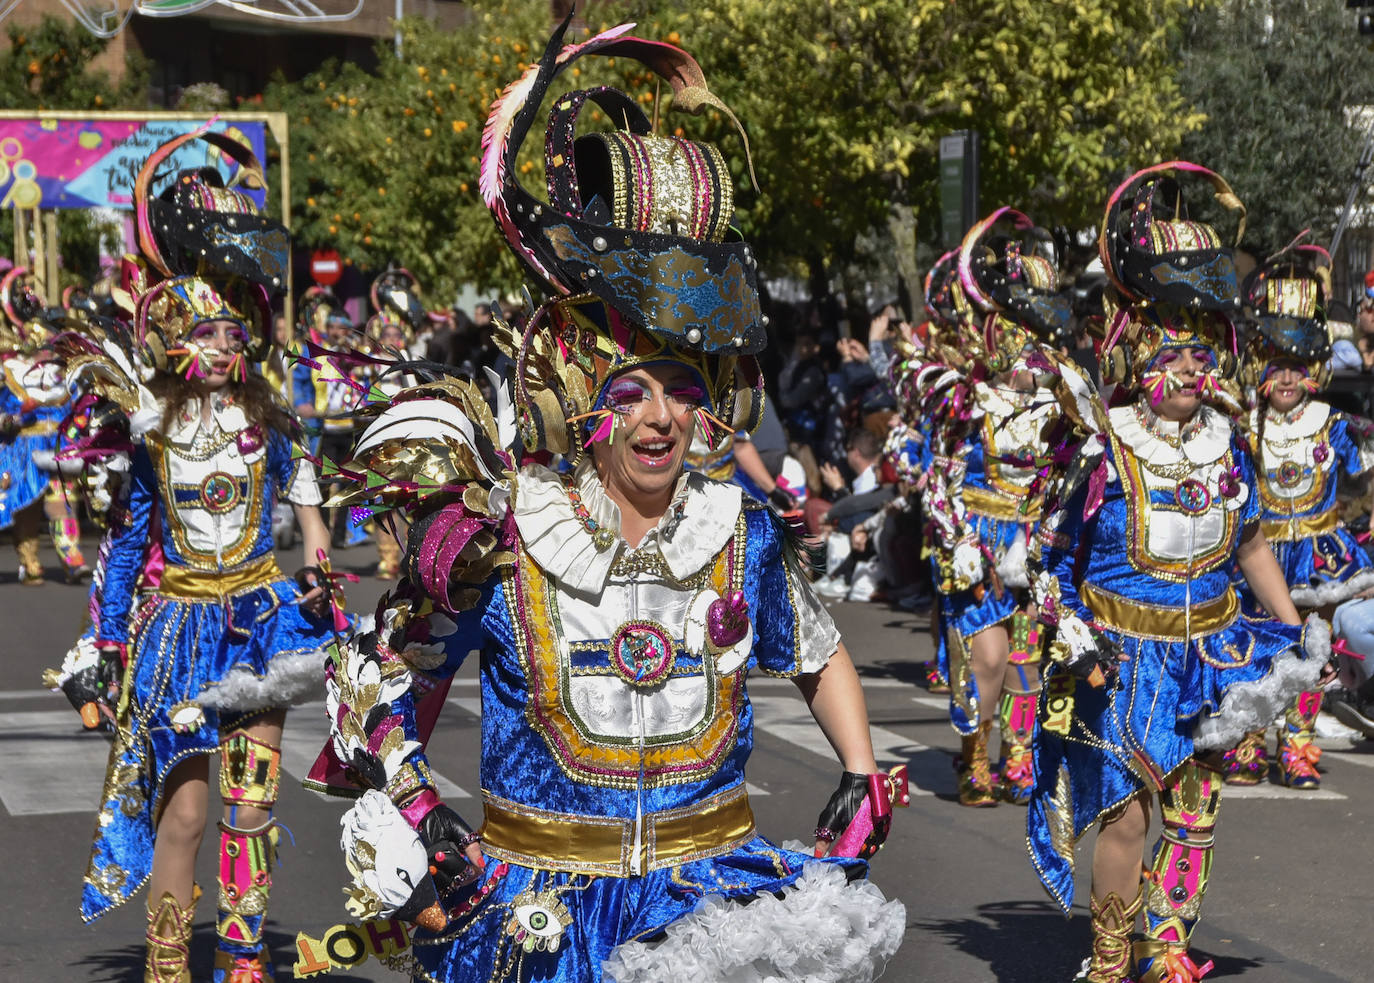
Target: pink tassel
605	430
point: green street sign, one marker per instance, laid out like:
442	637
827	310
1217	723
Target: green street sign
958	185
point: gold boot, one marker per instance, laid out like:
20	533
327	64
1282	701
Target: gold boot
975	773
1113	922
169	939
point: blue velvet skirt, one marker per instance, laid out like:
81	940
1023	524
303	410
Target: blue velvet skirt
196	668
1173	699
963	615
1324	569
21	481
594	915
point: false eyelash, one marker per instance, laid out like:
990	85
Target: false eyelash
688	394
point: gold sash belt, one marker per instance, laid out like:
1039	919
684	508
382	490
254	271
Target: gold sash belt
1291	530
605	845
983	502
1157	621
203	585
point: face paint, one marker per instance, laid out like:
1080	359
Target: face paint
624	395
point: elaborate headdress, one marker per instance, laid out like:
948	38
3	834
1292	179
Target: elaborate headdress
1012	284
26	323
396	298
319	307
207	253
1171	281
1285	301
634	245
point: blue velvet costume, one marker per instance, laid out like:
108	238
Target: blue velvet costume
993	494
22	481
571	744
210	624
1303	453
1150	567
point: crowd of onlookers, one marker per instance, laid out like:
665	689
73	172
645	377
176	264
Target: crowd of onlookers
834	405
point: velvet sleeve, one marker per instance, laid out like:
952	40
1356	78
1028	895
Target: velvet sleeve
1240	454
128	548
1353	444
295	479
793	633
1062	536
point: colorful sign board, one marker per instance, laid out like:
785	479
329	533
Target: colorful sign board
92	163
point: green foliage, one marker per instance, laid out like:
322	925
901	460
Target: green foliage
844	104
47	66
1276	78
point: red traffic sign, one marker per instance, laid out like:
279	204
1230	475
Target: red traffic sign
326	267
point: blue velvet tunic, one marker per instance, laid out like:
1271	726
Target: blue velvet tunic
210	624
568	735
993	493
1302	456
22	481
1150	567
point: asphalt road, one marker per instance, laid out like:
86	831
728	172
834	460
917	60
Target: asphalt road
1289	899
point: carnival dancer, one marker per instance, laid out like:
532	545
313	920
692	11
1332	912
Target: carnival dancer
33	400
1302	447
986	512
217	641
1155	669
391	331
618	607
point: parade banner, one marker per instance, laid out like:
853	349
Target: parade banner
66	161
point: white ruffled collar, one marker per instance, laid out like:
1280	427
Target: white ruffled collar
1200	441
225	414
1304	420
699	522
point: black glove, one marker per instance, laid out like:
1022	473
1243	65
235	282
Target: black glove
1102	666
447	837
781	500
843	806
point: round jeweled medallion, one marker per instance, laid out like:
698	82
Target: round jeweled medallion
1192	496
1288	475
642	653
220	492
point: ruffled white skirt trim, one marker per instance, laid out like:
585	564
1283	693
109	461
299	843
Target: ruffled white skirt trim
290	678
823	929
1254	705
1333	591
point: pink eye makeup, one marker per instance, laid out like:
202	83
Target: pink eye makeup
625	395
688	395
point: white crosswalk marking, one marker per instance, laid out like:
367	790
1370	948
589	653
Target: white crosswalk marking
790	720
41	744
50	764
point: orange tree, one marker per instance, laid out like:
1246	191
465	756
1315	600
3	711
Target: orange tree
844	104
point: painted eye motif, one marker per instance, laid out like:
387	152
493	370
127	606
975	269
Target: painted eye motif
538	921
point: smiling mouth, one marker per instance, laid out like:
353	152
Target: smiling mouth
654	451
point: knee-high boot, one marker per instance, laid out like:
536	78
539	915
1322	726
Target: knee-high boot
1020	699
169	939
249	776
1298	755
1177	880
1113	923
